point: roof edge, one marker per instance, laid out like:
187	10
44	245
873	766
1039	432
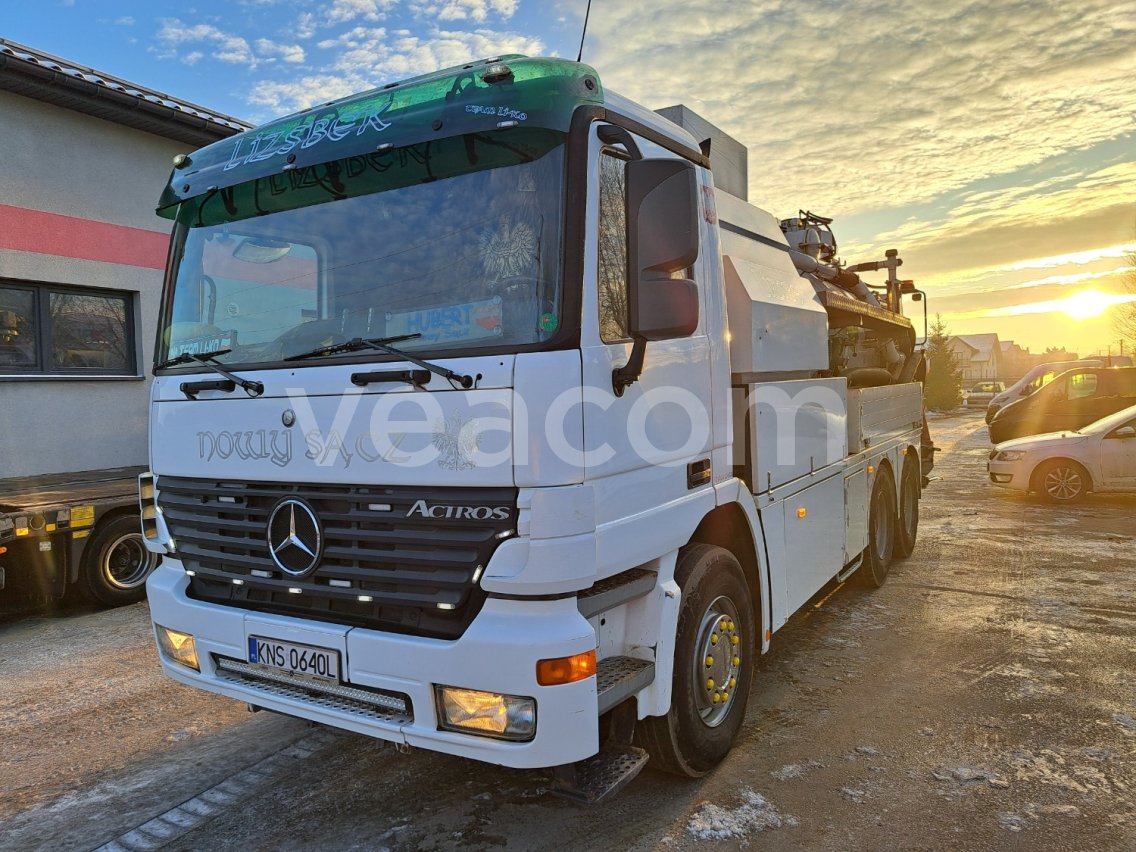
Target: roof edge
41	76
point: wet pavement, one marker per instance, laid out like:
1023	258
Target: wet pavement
984	698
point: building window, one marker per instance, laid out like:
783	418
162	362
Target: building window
51	330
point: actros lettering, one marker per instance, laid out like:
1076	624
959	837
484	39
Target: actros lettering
272	444
473	513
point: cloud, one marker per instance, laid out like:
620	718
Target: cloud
346	11
225	47
460	10
366	57
1063	222
288	52
880	103
125	21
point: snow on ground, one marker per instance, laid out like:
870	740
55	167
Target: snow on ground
753	815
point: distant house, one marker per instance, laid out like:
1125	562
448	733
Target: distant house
1016	361
979	356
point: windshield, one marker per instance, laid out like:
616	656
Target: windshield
376	247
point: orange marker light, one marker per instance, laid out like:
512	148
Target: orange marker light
566	669
802	512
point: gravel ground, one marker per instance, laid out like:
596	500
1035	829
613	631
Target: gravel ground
984	698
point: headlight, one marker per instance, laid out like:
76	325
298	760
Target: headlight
1011	455
177	646
487	714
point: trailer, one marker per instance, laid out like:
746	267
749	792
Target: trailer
484	422
74	532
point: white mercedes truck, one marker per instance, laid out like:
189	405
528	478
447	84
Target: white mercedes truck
482	422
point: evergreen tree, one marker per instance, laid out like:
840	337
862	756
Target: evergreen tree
942	391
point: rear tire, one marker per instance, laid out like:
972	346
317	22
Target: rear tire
116	563
709	689
908	527
882	525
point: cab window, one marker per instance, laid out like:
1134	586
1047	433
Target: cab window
612	270
1082	385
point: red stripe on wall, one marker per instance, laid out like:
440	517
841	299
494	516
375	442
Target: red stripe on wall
22	229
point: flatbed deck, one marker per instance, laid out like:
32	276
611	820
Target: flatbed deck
29	493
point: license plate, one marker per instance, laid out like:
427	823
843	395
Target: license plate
298	659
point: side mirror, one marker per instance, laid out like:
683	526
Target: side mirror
1124	432
662	238
1027	390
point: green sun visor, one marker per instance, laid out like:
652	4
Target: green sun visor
427	119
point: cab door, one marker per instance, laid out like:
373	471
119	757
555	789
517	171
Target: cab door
640	444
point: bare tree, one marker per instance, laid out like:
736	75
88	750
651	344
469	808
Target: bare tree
1124	316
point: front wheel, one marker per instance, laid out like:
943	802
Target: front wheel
715	648
1061	481
116	563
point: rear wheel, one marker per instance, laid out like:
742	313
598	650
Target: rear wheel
881	531
715	649
908	529
1061	481
116	563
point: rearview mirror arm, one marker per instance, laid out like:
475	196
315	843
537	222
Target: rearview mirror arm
625	376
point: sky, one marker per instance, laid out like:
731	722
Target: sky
992	144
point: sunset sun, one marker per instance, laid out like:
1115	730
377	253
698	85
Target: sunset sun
1089	303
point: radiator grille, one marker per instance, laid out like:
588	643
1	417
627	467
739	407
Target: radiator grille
383	565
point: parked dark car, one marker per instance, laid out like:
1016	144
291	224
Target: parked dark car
1074	399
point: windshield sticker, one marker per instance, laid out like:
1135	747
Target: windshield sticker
500	112
278	142
206	343
471	321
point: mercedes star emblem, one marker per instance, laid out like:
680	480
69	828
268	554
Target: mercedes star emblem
294	537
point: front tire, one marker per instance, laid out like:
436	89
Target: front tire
116	563
1062	481
882	525
715	649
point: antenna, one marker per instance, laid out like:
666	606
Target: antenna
588	12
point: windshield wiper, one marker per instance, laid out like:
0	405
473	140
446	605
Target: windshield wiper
383	344
207	359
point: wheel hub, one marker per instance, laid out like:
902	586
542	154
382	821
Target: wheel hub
717	661
1063	483
126	563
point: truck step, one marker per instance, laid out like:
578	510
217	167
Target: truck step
614	591
850	569
600	776
618	678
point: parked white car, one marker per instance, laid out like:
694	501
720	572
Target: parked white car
1063	466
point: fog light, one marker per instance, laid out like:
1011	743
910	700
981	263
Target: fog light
1001	477
487	714
178	647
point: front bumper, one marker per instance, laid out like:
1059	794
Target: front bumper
497	653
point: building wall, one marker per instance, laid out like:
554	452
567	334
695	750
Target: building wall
63	163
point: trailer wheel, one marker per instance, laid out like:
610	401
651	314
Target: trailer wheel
908	510
881	530
116	563
715	649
